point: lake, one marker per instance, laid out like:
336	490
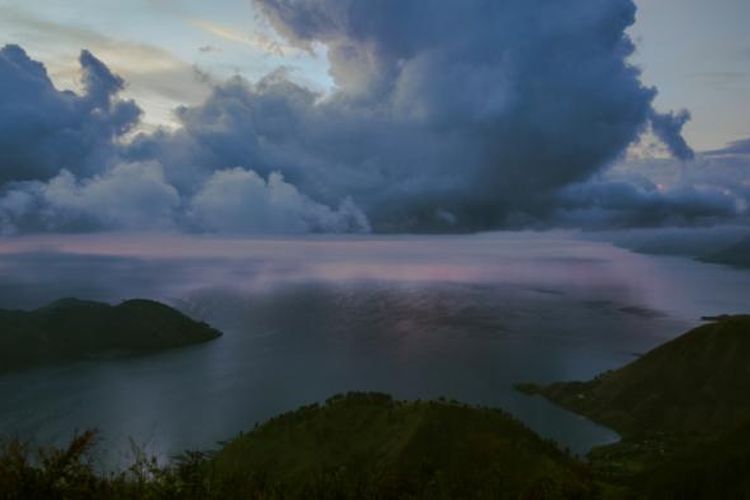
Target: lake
304	318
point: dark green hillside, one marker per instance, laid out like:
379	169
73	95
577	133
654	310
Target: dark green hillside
683	410
370	446
72	328
697	383
705	470
359	446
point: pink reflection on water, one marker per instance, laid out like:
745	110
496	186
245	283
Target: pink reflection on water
550	262
487	258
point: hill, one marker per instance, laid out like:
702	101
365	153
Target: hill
72	328
370	446
697	383
683	410
358	446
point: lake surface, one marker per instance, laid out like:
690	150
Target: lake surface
464	317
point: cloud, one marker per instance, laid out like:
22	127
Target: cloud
63	170
740	147
258	40
445	116
617	204
43	130
128	197
240	201
668	128
713	188
153	74
137	197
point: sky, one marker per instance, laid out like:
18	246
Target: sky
164	49
253	116
696	52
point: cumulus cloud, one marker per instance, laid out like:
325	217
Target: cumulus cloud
129	196
43	130
445	116
668	128
617	204
240	201
137	197
65	167
713	188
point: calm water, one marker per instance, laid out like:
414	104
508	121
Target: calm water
464	317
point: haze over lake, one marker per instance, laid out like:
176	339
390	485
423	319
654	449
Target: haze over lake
304	318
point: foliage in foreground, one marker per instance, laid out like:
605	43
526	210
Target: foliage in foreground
70	473
362	446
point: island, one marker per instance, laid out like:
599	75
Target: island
77	329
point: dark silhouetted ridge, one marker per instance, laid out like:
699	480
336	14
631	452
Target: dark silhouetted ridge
71	328
683	410
699	382
366	445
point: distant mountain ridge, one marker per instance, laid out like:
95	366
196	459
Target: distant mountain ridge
737	255
71	328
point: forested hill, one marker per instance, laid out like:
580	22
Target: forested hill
698	382
683	410
72	328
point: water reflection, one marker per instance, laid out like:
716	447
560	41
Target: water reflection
462	317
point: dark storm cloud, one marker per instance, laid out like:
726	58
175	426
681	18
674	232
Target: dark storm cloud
445	116
64	169
43	130
612	204
713	188
668	128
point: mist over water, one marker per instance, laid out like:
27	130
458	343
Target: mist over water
463	317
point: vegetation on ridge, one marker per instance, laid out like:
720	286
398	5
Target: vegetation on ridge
696	383
683	410
72	328
358	446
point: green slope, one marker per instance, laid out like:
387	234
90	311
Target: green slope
359	447
72	328
370	446
683	410
713	469
697	383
